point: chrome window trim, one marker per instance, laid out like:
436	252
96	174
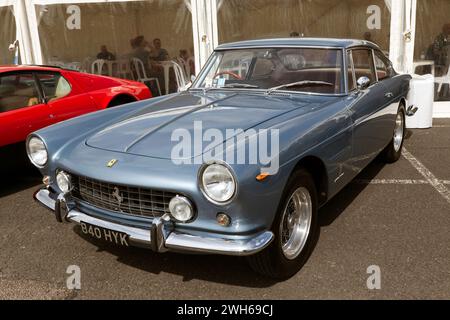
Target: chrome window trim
344	74
372	69
349	54
202	73
375	65
385	61
280	46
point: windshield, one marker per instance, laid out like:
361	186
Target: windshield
308	70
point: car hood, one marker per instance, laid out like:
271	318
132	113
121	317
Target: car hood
156	129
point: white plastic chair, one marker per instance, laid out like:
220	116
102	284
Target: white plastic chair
443	80
141	75
124	69
185	66
179	76
74	66
97	66
86	65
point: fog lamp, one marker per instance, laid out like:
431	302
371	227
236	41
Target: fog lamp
64	182
181	209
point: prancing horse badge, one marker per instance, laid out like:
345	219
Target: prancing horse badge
111	163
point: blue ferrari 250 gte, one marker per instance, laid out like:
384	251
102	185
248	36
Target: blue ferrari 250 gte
240	163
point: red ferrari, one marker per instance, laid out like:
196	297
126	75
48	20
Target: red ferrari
33	97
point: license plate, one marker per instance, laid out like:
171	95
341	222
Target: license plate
107	235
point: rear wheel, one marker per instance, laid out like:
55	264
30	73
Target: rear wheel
295	228
394	150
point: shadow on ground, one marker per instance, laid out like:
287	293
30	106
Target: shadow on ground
211	268
16	170
336	206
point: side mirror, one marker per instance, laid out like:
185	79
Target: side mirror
188	85
363	83
185	88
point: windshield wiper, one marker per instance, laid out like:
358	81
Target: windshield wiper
230	86
240	85
299	84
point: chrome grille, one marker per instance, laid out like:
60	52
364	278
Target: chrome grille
123	199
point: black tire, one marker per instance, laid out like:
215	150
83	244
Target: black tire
390	154
118	101
272	262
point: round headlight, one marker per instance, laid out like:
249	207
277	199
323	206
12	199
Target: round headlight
63	181
181	209
37	152
218	183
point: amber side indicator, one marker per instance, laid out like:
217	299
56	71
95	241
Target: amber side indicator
223	219
262	176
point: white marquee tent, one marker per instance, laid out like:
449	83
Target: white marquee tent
73	30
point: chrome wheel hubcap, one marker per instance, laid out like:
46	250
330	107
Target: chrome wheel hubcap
398	132
296	223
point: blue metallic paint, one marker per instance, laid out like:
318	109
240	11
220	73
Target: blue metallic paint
343	132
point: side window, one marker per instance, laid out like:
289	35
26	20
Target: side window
18	91
54	85
363	62
384	67
351	77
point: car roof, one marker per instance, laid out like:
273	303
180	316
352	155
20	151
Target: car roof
10	68
298	42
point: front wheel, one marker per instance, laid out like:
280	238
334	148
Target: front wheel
394	150
295	228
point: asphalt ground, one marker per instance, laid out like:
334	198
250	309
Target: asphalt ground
395	217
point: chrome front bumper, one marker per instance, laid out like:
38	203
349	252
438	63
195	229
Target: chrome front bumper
161	240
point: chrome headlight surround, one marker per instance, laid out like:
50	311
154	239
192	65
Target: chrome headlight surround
221	168
37	151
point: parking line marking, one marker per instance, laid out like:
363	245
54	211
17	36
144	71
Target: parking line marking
428	175
396	181
391	181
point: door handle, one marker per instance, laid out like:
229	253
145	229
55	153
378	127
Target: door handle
389	95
